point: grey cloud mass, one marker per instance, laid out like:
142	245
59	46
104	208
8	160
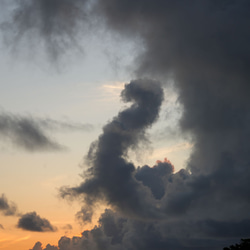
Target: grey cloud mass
120	233
33	222
6	207
203	47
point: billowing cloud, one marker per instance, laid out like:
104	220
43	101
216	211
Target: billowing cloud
6	207
33	222
120	233
107	157
156	208
203	46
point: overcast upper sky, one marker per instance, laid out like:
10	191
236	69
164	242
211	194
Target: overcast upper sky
124	124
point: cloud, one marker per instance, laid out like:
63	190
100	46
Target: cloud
26	133
29	221
154	177
68	226
37	246
6	207
29	133
67	229
203	47
118	233
52	124
156	207
33	222
207	55
107	157
51	25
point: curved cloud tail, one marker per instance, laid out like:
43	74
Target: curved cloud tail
111	176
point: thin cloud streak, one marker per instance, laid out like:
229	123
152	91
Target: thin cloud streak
26	134
29	133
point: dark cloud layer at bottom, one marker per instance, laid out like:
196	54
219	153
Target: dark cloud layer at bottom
119	233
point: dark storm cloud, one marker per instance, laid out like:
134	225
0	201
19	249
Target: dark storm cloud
111	176
6	207
120	233
26	133
33	222
203	46
155	177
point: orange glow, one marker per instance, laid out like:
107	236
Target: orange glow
166	160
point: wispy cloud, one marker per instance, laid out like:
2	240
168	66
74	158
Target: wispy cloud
52	24
31	134
26	134
6	207
59	125
22	239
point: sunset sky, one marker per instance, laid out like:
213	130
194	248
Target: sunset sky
124	124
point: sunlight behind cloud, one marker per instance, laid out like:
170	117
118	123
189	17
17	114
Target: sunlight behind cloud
111	91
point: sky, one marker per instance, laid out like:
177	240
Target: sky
124	124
